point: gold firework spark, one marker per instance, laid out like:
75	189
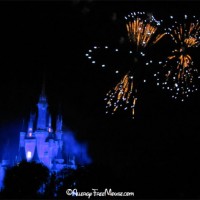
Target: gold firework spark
187	35
141	33
183	68
179	67
122	95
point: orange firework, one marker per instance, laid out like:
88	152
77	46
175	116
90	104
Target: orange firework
142	32
179	69
123	95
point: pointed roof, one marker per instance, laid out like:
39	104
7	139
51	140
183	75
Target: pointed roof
43	93
31	120
59	122
23	126
49	121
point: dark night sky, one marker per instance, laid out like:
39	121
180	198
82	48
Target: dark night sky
160	148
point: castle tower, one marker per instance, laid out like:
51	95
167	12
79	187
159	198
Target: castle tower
30	125
59	126
30	141
41	132
21	152
50	130
42	111
22	136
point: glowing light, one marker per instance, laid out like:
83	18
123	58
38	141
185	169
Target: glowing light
29	155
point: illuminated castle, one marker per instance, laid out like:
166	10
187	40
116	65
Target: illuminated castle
40	143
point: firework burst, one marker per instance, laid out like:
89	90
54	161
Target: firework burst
142	32
122	95
179	71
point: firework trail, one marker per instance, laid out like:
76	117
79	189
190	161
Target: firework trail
179	71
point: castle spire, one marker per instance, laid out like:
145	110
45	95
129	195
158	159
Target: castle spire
59	127
30	125
23	125
42	109
50	130
43	93
59	123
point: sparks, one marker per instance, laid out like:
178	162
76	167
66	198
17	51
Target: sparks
179	69
122	95
142	30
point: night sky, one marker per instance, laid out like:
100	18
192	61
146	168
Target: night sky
157	153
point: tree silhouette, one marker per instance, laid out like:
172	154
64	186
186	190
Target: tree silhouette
24	180
83	179
50	190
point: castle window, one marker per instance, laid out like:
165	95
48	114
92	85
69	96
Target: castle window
29	155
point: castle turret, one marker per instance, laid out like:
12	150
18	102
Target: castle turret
30	125
59	132
59	127
50	130
42	111
22	135
30	141
21	151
